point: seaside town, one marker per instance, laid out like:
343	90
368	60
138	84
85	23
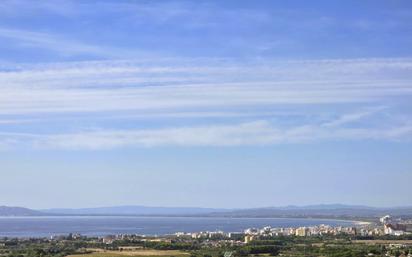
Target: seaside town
390	237
387	226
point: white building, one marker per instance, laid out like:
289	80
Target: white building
385	219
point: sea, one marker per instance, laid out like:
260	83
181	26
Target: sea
24	227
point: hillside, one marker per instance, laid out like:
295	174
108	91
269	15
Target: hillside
18	211
136	210
336	211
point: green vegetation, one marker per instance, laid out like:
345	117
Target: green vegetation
333	246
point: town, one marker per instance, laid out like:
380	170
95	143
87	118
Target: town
386	237
388	226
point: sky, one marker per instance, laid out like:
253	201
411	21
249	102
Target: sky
225	104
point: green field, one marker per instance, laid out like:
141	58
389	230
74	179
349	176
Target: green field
128	253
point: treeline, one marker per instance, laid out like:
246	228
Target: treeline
272	250
157	245
171	245
41	250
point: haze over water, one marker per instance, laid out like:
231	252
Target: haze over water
100	226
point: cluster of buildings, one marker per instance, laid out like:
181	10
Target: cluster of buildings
395	227
252	233
70	236
390	227
302	231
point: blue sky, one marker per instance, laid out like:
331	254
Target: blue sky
205	103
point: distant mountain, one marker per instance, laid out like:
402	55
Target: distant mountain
311	211
136	210
18	211
320	211
337	211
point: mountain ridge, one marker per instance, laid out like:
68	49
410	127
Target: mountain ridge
321	211
291	211
134	210
18	211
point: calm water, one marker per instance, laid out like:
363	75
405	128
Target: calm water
98	226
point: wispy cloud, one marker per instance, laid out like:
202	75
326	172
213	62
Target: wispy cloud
14	121
120	86
243	134
284	27
247	93
48	41
352	117
64	45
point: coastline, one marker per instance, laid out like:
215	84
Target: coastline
97	225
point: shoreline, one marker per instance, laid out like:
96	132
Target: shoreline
294	223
